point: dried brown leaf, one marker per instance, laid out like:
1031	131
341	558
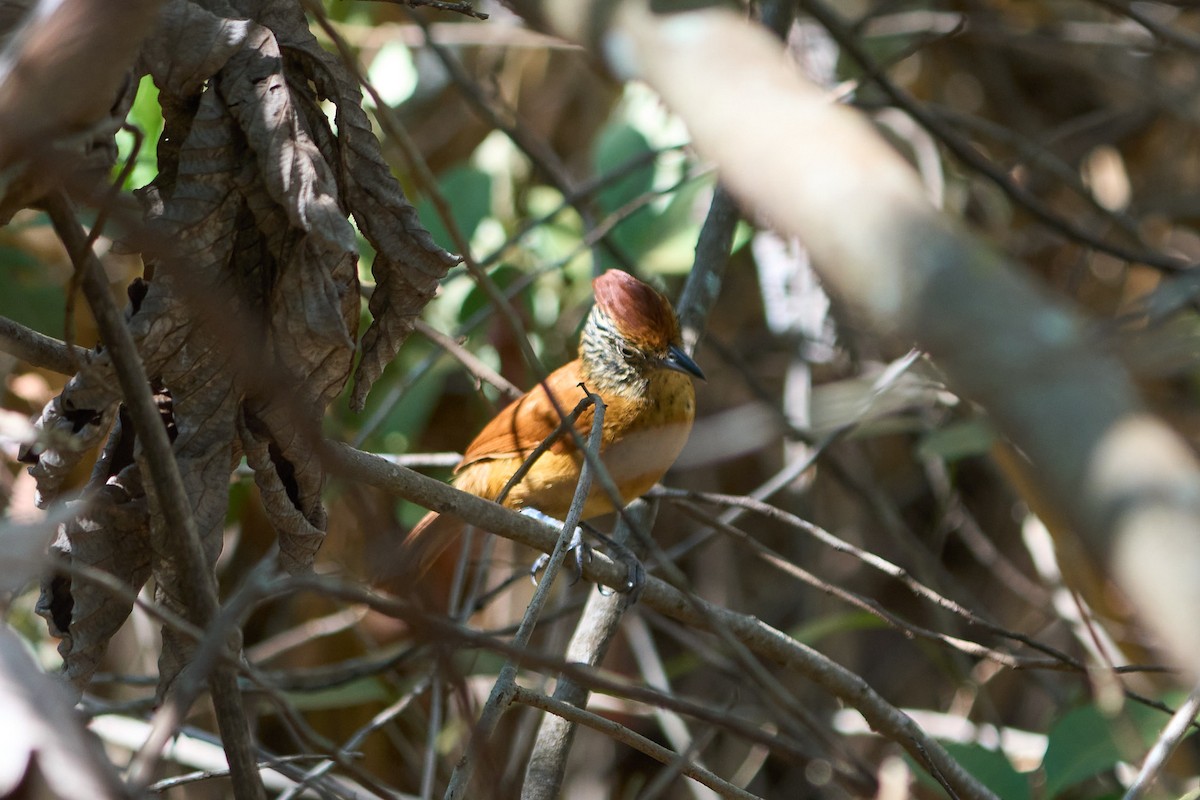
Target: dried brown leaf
293	171
65	434
189	46
246	328
289	494
408	263
110	532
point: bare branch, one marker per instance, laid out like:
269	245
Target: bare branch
754	634
595	631
38	349
572	713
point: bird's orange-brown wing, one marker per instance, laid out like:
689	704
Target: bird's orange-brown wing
513	433
518	429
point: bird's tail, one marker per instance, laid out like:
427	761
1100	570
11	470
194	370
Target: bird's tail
428	539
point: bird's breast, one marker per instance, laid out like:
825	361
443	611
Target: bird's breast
643	436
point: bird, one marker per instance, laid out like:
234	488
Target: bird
630	355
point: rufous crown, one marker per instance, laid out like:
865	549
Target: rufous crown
641	314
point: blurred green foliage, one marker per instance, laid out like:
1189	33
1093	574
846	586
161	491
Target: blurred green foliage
1084	744
29	292
146	117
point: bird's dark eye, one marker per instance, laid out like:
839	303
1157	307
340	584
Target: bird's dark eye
627	352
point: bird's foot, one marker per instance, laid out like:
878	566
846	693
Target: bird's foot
635	571
579	549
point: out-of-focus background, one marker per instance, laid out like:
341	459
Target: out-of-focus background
1049	128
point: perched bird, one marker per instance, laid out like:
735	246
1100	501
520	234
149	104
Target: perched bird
630	355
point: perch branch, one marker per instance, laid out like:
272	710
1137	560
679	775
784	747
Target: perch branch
595	631
755	635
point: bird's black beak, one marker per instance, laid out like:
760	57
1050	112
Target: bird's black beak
678	360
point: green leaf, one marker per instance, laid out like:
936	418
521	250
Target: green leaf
1086	742
355	693
469	193
616	147
393	74
503	276
635	232
958	440
989	767
146	116
1149	722
666	242
1080	746
742	235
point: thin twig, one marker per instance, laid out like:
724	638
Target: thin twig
1178	727
303	633
870	559
436	627
197	584
109	200
601	229
594	632
469	360
539	153
190	681
199	776
794	716
619	733
1038	156
674	727
356	739
1164	33
759	637
568	423
874	607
